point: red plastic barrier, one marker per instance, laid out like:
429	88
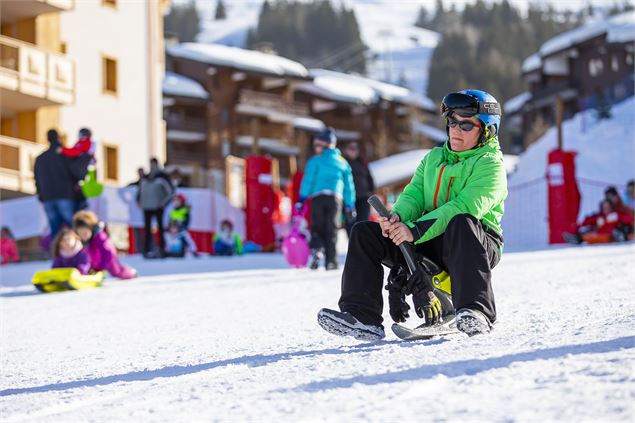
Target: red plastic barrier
260	201
203	240
564	196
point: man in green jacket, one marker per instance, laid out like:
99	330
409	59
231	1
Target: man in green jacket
451	211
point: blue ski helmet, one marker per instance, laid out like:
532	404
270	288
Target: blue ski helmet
474	103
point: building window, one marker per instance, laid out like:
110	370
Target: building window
109	75
595	67
615	63
111	162
109	3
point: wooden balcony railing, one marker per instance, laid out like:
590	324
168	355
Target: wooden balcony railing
31	70
17	158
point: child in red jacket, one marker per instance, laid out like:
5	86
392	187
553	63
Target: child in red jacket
84	145
608	224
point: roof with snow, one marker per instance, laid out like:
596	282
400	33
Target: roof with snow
179	85
618	29
515	103
339	86
400	167
238	58
435	134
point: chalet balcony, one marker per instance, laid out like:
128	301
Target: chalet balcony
31	77
269	105
185	129
17	158
24	9
544	95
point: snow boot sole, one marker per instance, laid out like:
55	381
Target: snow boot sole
345	324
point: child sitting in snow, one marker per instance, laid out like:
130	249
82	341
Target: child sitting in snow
606	226
181	211
101	251
226	241
178	241
8	247
68	251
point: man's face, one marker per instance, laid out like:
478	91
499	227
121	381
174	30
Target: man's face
319	146
461	140
352	151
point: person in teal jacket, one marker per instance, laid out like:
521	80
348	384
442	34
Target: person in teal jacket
451	211
328	181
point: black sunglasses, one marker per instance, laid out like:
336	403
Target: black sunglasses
465	125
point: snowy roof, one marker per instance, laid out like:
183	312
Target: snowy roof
357	89
396	168
515	103
619	28
308	124
179	85
532	63
238	58
431	132
340	89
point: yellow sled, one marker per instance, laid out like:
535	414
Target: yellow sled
64	279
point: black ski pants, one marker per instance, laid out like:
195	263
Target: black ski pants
467	251
148	215
326	211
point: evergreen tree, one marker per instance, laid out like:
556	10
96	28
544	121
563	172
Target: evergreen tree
316	34
183	20
221	13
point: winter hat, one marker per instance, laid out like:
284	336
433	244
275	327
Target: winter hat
327	136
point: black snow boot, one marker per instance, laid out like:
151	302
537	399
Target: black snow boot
472	322
316	256
345	324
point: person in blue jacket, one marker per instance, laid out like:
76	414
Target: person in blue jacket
328	181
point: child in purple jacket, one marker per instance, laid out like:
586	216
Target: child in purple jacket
102	252
68	251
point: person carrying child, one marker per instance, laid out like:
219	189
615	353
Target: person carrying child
101	251
8	247
68	251
178	241
226	241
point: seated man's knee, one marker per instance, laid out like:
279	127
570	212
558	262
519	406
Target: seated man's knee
363	228
461	222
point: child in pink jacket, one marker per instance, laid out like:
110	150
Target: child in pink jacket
102	252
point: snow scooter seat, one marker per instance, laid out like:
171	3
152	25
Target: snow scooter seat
64	279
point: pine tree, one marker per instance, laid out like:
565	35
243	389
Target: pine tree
221	13
183	20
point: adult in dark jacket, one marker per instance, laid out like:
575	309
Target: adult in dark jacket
451	211
56	182
363	181
155	192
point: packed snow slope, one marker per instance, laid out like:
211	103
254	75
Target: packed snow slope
244	345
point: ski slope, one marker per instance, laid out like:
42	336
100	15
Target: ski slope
196	340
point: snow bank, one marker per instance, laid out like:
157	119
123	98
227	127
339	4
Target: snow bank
204	341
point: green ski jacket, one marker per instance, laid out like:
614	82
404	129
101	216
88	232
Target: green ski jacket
448	183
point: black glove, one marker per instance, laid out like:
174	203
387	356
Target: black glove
398	307
425	302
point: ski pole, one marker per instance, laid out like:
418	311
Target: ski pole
406	249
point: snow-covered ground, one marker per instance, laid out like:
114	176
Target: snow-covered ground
195	340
